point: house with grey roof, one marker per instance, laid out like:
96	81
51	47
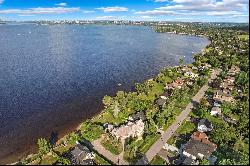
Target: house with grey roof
199	147
81	155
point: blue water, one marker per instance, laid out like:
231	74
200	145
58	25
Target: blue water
53	77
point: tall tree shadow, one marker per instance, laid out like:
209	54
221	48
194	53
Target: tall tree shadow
53	138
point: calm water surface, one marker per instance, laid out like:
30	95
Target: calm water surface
53	77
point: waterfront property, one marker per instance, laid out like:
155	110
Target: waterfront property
81	155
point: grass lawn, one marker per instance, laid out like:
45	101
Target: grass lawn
157	89
186	128
62	149
148	142
101	161
171	140
244	37
48	160
157	160
112	145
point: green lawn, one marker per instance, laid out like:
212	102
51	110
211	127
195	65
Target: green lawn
186	128
63	149
101	161
171	140
148	142
244	37
157	160
112	145
48	160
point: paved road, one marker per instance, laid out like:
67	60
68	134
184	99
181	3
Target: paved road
107	154
156	147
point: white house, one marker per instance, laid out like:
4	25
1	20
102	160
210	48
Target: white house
215	111
204	125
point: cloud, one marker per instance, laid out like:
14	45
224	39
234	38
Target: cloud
26	15
200	7
61	4
215	13
88	11
1	1
39	10
155	12
160	0
147	17
113	9
105	17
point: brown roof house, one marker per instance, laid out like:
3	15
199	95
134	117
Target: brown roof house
81	155
221	97
199	147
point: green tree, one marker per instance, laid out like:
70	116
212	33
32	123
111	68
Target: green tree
204	162
43	146
63	161
181	61
107	101
242	79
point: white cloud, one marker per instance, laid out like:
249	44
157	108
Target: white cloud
26	15
160	0
61	4
200	7
39	10
215	13
147	17
113	9
88	11
1	1
155	12
105	17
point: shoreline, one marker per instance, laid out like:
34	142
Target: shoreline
99	111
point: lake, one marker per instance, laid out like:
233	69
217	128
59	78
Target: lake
54	77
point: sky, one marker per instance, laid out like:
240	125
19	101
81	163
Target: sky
140	10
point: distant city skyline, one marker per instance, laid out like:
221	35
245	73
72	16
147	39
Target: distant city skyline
141	10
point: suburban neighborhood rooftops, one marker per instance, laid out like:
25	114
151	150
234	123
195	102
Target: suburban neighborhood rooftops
199	149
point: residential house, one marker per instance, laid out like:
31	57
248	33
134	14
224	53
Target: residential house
219	96
175	84
191	74
234	70
166	94
130	129
199	147
161	102
229	79
204	125
215	111
226	85
81	155
108	127
137	116
216	104
189	161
